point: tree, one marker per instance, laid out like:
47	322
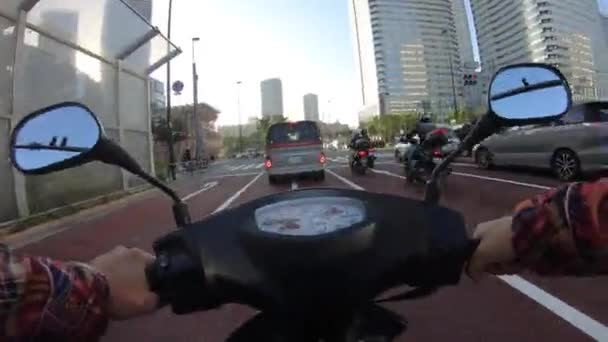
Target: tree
389	125
263	124
161	130
462	116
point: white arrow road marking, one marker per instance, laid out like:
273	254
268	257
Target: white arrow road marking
250	166
234	168
236	195
205	187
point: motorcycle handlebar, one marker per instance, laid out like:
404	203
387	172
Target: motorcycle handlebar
177	278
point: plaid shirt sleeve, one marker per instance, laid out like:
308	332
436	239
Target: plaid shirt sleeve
564	231
47	300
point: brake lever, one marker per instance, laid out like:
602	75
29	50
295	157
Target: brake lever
426	291
417	293
469	252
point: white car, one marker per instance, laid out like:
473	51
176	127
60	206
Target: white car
401	149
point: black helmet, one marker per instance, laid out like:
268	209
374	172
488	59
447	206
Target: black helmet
364	131
425	119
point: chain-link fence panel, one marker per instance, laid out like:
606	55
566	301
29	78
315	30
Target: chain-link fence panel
10	7
137	144
8	205
53	72
71	50
7	56
133	107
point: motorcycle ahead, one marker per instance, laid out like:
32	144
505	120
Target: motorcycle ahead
418	165
362	157
313	262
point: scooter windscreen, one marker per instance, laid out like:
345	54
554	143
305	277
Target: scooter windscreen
309	251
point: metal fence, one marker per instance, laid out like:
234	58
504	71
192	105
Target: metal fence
97	52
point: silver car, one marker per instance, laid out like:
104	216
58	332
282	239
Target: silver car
576	144
293	149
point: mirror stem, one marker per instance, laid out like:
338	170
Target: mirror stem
109	152
485	127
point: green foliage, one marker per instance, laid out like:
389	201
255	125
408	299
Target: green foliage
262	126
389	125
257	139
160	130
462	116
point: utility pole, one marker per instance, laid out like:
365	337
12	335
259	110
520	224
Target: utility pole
169	125
238	103
195	117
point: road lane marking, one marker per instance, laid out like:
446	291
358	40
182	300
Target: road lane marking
383	172
576	318
251	166
464	165
259	166
501	180
234	168
294	185
345	181
579	320
205	187
237	194
233	175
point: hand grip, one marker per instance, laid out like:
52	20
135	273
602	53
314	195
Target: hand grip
154	282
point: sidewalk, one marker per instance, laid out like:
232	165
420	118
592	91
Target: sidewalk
38	226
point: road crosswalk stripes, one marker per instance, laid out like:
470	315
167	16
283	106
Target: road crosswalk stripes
244	167
234	168
253	166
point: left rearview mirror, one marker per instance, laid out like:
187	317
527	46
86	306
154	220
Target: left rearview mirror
529	93
54	138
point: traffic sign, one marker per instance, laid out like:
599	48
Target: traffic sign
177	87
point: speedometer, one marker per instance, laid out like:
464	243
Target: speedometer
310	216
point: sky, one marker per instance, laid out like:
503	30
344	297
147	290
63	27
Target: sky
306	43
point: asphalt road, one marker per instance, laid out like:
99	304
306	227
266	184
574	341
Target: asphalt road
524	308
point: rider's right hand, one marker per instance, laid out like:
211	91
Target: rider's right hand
495	254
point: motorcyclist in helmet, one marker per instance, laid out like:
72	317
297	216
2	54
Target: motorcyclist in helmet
540	237
430	139
359	135
359	140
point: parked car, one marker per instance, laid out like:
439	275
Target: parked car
253	153
293	149
576	144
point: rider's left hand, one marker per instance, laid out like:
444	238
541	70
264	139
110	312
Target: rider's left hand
124	268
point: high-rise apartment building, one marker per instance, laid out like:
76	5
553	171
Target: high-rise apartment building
564	33
311	107
272	97
408	54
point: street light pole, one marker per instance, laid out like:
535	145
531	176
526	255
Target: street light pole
169	126
238	103
196	122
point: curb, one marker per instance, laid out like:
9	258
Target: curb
22	232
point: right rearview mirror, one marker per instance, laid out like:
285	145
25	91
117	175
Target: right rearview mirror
529	93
